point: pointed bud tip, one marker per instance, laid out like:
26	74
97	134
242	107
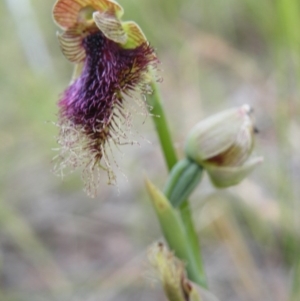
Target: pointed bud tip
246	109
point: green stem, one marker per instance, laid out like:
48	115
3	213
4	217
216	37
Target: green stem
295	293
192	236
162	128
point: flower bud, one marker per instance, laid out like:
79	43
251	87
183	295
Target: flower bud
171	273
222	144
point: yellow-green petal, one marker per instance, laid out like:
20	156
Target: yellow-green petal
109	6
71	46
110	26
67	13
135	36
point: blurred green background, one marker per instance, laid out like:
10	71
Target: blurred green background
58	244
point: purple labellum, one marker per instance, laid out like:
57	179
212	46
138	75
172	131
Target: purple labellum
92	105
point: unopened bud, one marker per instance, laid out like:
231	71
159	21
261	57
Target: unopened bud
173	277
170	271
222	144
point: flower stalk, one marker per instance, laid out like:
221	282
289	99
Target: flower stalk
164	135
162	127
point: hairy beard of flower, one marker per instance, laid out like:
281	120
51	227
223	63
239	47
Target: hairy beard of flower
92	113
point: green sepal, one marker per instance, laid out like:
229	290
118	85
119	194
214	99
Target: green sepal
223	177
135	35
